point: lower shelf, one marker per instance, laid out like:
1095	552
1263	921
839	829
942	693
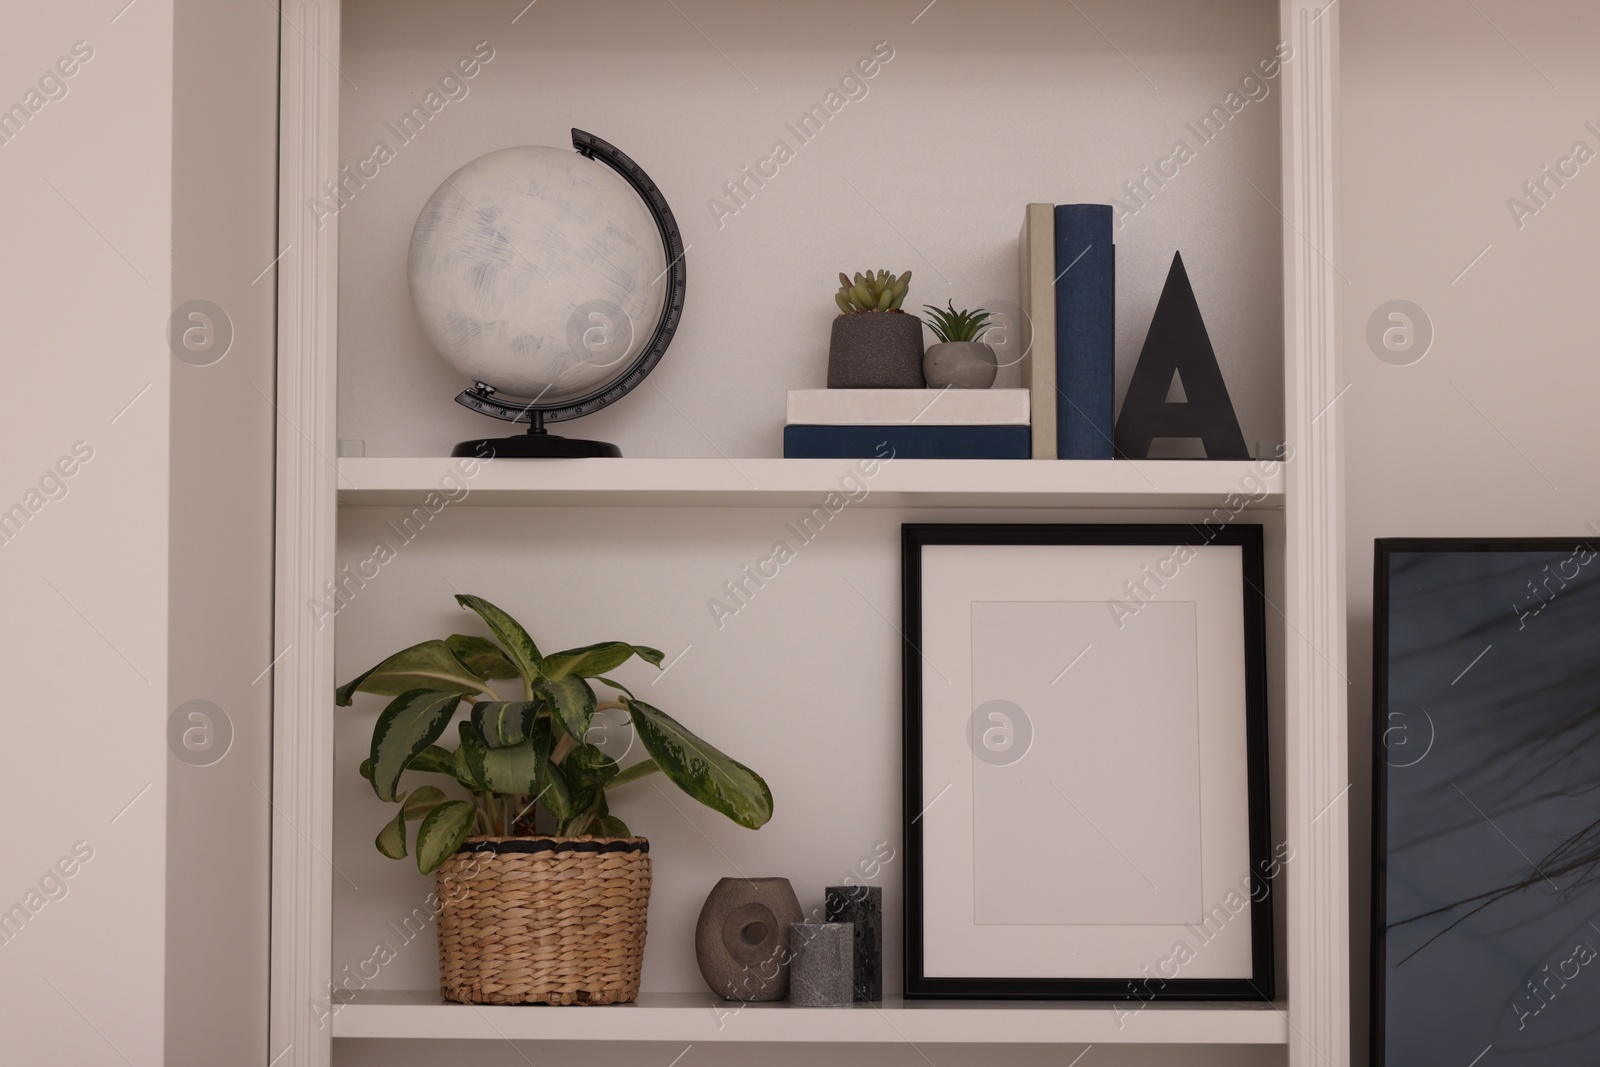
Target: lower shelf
697	1017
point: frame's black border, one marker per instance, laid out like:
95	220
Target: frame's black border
1383	549
1260	986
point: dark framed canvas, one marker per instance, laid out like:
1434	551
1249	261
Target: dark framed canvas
1086	802
1486	813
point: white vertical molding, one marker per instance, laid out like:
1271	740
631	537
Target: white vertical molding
1318	889
302	778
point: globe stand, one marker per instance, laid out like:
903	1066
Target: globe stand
537	443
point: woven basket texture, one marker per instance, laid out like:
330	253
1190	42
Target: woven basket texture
561	926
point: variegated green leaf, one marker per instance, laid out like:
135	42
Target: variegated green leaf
422	800
504	722
443	831
431	760
633	774
481	656
468	760
618	686
609	826
391	840
591	763
591	661
412	721
700	770
430	665
434	760
572	700
518	645
511	771
556	795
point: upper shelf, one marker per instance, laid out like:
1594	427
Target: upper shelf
808	482
700	1017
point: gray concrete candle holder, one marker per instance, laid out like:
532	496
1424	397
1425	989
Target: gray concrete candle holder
821	968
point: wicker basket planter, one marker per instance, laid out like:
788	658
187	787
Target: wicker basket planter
543	920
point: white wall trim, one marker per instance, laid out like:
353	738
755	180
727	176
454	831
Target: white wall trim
302	827
1317	775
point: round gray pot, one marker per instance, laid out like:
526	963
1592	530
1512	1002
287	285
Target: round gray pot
960	364
876	350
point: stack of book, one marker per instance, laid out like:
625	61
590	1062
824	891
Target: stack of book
907	424
1067	275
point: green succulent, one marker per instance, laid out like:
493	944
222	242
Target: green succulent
873	291
948	324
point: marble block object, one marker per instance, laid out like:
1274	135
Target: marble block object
820	969
862	907
742	939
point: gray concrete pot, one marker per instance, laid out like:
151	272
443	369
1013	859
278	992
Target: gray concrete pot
876	350
960	364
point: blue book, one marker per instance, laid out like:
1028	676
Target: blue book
907	442
1085	331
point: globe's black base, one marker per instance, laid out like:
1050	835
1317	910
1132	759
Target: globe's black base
536	446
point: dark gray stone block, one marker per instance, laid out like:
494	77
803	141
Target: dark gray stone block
862	907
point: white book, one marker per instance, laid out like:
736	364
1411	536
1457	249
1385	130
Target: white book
1036	275
902	407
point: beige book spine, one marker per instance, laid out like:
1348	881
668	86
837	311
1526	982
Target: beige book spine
1037	296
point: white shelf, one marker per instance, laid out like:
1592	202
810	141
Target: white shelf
700	1017
807	482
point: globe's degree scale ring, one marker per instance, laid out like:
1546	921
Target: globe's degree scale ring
511	409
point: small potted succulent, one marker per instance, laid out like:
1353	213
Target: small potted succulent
960	360
875	345
541	891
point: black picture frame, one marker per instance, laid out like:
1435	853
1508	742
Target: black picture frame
1261	985
1385	549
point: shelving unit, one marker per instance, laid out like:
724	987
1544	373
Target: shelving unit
574	507
764	483
701	1018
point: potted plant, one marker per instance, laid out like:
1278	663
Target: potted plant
875	345
960	360
527	916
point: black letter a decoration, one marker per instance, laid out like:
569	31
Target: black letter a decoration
1177	344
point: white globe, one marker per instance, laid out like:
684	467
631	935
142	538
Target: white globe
537	271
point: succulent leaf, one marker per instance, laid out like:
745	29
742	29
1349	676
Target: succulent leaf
948	324
875	290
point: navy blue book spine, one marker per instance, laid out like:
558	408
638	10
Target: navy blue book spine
907	442
1085	330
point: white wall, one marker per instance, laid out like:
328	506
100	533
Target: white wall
147	584
1447	112
84	296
